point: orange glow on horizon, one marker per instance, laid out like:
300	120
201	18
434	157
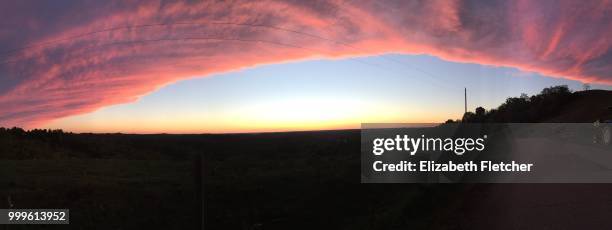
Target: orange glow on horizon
195	124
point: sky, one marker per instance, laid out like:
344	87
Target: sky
237	66
317	94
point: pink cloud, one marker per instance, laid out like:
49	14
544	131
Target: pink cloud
81	57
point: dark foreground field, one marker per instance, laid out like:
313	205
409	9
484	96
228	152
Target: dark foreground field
251	181
301	180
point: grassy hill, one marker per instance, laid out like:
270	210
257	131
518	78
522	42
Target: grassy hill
553	104
585	106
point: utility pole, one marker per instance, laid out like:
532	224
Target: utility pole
465	99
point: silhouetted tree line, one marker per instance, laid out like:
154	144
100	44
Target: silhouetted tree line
17	143
523	109
51	134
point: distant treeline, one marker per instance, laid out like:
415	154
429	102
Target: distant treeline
17	143
36	133
522	109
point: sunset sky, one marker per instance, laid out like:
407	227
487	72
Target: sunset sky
250	66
